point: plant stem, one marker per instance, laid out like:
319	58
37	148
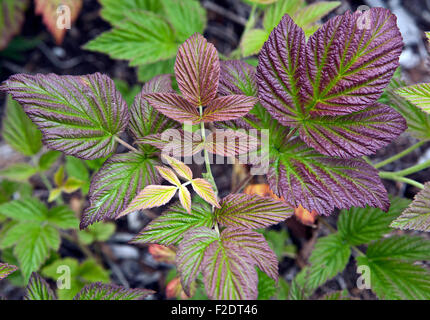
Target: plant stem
209	174
125	144
399	155
413	169
396	177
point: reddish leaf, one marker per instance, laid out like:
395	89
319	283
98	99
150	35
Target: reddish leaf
173	106
237	77
181	168
256	246
197	70
228	108
51	16
305	216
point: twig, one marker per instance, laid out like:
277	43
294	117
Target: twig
221	11
125	144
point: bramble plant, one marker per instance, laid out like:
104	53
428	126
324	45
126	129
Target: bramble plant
314	108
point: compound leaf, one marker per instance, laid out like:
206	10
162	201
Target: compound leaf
417	215
251	211
169	228
100	291
197	70
116	184
38	289
18	131
78	115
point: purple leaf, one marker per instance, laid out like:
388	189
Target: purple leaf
228	108
197	70
256	246
190	254
357	134
349	64
116	184
101	291
281	72
237	77
251	211
78	115
304	177
144	120
174	107
6	270
229	272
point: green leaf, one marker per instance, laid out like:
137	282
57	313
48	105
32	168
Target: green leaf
266	286
18	172
78	115
18	130
99	291
362	225
116	184
190	254
143	37
397	280
76	168
63	217
406	248
33	246
253	41
329	257
48	159
418	94
169	228
417	120
6	269
12	13
148	71
115	11
417	215
25	210
100	231
276	11
178	11
38	289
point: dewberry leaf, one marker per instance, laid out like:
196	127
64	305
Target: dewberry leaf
38	289
281	72
256	246
78	115
116	184
362	225
181	168
197	70
101	291
349	64
169	175
417	215
418	94
115	11
329	257
237	77
48	9
406	247
144	120
305	177
251	211
417	120
178	11
173	106
151	196
12	14
18	130
169	228
204	189
228	108
135	39
6	270
229	272
230	143
190	254
357	134
185	198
